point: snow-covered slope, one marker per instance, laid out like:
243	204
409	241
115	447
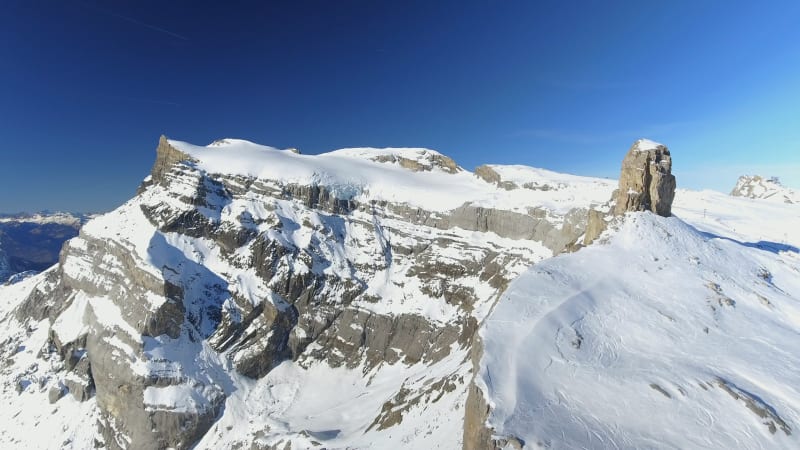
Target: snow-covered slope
754	186
679	332
415	176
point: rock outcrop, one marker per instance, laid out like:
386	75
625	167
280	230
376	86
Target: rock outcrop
489	175
166	157
646	182
426	161
595	226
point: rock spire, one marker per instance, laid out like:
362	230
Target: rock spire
646	182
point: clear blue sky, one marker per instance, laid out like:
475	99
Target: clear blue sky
87	87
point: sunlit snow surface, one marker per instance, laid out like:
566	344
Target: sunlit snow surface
29	421
642	342
354	174
645	145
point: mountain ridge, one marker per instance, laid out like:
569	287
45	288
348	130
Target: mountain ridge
221	308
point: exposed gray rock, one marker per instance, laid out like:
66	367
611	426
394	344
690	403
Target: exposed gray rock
425	162
56	393
757	406
489	175
594	226
477	434
79	381
166	157
535	225
48	300
646	182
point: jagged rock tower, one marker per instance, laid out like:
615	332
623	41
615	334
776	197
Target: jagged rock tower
646	182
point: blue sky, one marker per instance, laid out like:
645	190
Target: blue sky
87	87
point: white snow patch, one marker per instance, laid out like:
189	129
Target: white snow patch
644	145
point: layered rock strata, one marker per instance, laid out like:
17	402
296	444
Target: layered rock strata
161	310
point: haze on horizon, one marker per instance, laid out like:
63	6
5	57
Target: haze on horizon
88	87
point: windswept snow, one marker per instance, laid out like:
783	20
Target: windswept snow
359	174
675	334
555	191
337	406
644	145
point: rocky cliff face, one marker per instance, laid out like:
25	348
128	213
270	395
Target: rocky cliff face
214	308
646	182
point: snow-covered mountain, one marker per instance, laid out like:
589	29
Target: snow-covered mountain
30	243
754	186
259	298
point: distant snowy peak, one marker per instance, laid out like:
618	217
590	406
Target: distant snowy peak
45	217
757	187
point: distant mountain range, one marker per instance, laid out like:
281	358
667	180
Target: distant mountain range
30	242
